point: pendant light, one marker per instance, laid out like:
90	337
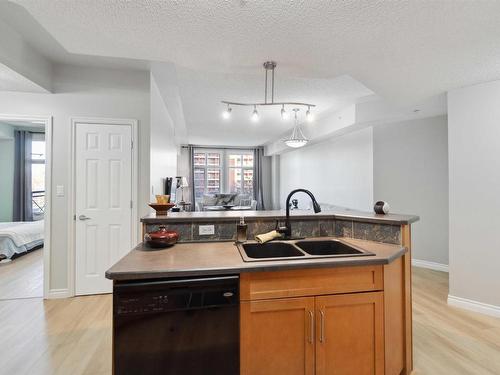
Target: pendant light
297	138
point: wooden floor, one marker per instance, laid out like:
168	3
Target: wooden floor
22	277
73	336
449	340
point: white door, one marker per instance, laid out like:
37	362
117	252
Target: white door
103	201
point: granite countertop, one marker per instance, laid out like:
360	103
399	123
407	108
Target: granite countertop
223	258
337	213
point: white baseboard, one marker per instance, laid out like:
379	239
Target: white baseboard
430	265
58	293
475	306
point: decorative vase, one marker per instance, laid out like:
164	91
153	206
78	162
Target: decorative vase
161	238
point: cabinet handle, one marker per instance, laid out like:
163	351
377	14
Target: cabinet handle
311	334
322	327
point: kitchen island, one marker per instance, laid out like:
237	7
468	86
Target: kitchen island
324	315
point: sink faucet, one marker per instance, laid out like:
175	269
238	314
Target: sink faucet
287	229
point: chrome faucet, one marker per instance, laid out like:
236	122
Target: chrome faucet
287	229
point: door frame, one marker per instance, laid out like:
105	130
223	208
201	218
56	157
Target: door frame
75	121
48	124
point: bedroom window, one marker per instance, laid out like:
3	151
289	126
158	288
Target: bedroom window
37	162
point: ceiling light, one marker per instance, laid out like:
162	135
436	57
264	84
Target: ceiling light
297	138
309	115
227	113
255	114
284	114
296	143
269	66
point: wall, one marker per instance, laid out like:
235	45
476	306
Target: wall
410	161
474	175
267	187
163	152
87	92
6	171
338	171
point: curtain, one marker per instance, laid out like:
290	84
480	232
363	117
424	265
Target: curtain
23	210
258	154
191	177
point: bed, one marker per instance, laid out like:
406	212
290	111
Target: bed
20	237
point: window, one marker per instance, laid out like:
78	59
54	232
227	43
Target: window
207	173
240	173
37	162
223	171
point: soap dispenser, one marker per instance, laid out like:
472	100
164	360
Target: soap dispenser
241	231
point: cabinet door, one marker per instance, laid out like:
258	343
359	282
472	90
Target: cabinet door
350	334
277	337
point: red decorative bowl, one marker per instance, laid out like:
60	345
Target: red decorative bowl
161	208
161	238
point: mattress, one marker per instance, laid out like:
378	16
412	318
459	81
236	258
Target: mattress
19	237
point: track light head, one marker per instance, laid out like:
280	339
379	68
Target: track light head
309	115
255	114
284	114
227	113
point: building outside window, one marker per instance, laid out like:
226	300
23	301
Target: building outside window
37	162
223	171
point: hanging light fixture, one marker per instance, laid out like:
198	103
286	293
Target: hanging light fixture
297	138
269	66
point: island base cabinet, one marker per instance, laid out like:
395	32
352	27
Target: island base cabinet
350	331
326	335
277	337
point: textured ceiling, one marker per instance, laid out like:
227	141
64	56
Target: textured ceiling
405	51
201	93
19	19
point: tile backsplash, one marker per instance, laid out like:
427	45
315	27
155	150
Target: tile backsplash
226	230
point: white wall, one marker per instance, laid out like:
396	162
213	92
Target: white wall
163	152
474	173
337	171
85	92
410	161
6	171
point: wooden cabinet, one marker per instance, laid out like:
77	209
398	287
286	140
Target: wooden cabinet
342	321
277	337
338	334
350	334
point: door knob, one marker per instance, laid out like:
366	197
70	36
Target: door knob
83	217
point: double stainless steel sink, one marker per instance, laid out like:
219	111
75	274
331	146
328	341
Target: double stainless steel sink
302	249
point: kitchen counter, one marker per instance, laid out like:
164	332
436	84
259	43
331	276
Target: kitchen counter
217	258
337	213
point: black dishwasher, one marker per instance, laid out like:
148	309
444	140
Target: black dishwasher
176	327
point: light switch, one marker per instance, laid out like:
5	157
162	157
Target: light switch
60	191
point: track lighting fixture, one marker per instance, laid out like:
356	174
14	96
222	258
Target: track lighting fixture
269	66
